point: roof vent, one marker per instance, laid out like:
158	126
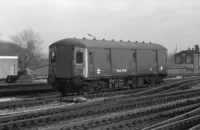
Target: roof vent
74	37
113	40
103	39
84	38
129	41
120	40
94	38
149	42
143	42
136	41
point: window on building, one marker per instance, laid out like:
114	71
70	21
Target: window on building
184	58
79	57
189	59
178	60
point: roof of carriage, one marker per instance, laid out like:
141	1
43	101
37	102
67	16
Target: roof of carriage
107	44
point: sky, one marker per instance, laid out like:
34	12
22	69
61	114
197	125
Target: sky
170	23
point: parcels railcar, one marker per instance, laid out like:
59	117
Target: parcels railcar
79	65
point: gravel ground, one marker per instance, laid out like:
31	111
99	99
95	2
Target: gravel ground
111	114
16	110
197	86
56	104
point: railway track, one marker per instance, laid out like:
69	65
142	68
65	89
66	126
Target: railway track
52	98
46	99
19	120
186	121
137	118
97	108
15	89
134	119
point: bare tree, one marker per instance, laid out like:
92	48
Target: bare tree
29	47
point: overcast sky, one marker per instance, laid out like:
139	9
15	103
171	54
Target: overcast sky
167	22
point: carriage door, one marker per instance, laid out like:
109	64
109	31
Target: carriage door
155	61
102	62
64	62
90	64
108	68
134	61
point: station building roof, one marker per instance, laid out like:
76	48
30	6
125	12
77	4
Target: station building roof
7	49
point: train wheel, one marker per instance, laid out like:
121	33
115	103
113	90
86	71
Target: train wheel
64	88
80	90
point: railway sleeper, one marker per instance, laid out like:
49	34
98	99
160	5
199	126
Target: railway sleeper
184	124
113	108
137	120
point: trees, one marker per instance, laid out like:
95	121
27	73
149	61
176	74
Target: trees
29	47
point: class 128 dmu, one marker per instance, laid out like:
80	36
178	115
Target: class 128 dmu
82	65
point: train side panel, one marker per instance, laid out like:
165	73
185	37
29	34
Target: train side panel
99	64
162	61
123	62
146	61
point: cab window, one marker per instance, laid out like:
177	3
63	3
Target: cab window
79	57
53	57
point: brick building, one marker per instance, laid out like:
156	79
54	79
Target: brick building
8	59
189	60
186	56
8	66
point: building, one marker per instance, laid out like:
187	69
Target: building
189	59
186	56
178	69
8	59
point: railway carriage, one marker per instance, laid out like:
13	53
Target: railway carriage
81	65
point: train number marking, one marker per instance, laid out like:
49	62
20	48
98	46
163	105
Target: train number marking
121	70
98	71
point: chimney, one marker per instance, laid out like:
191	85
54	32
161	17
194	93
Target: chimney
196	49
189	48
